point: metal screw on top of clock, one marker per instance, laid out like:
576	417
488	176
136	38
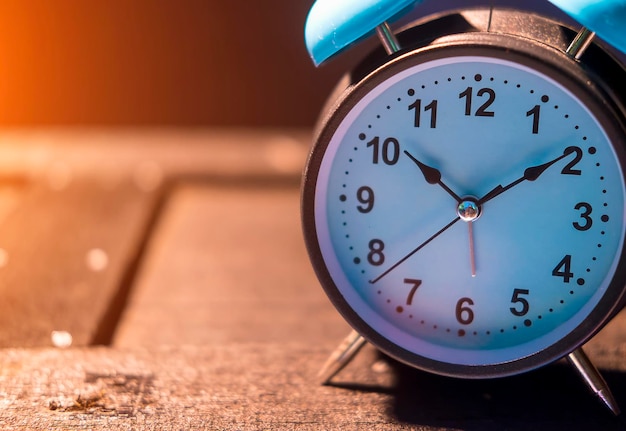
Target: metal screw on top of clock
468	210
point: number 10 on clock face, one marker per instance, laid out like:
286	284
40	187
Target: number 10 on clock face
468	211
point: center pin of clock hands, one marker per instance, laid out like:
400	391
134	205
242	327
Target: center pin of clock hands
433	176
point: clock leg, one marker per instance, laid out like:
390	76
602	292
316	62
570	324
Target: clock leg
592	377
341	356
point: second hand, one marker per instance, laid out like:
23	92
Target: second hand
470	228
415	250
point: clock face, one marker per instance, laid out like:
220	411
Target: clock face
467	212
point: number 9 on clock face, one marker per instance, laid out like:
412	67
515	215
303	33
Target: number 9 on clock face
465	210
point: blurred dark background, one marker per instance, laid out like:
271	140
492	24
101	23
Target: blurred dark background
144	62
163	62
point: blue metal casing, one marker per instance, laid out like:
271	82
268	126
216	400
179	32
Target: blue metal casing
333	25
607	18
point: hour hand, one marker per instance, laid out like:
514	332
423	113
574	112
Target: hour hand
432	176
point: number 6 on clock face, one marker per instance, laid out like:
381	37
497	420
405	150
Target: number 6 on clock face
464	206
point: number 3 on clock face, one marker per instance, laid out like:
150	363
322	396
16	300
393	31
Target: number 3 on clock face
464	207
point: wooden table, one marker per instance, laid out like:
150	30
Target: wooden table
174	261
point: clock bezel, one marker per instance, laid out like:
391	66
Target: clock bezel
573	75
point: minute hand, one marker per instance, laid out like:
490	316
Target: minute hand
530	174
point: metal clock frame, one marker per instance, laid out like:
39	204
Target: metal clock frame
529	40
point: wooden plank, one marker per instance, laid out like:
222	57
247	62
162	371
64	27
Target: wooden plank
66	192
68	255
227	263
272	386
148	155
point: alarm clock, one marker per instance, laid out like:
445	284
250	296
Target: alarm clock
464	203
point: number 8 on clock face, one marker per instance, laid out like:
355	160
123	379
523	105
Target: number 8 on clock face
464	208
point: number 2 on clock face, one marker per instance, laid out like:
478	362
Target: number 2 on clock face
541	245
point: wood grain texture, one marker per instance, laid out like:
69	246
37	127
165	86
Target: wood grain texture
227	263
68	254
66	194
263	386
